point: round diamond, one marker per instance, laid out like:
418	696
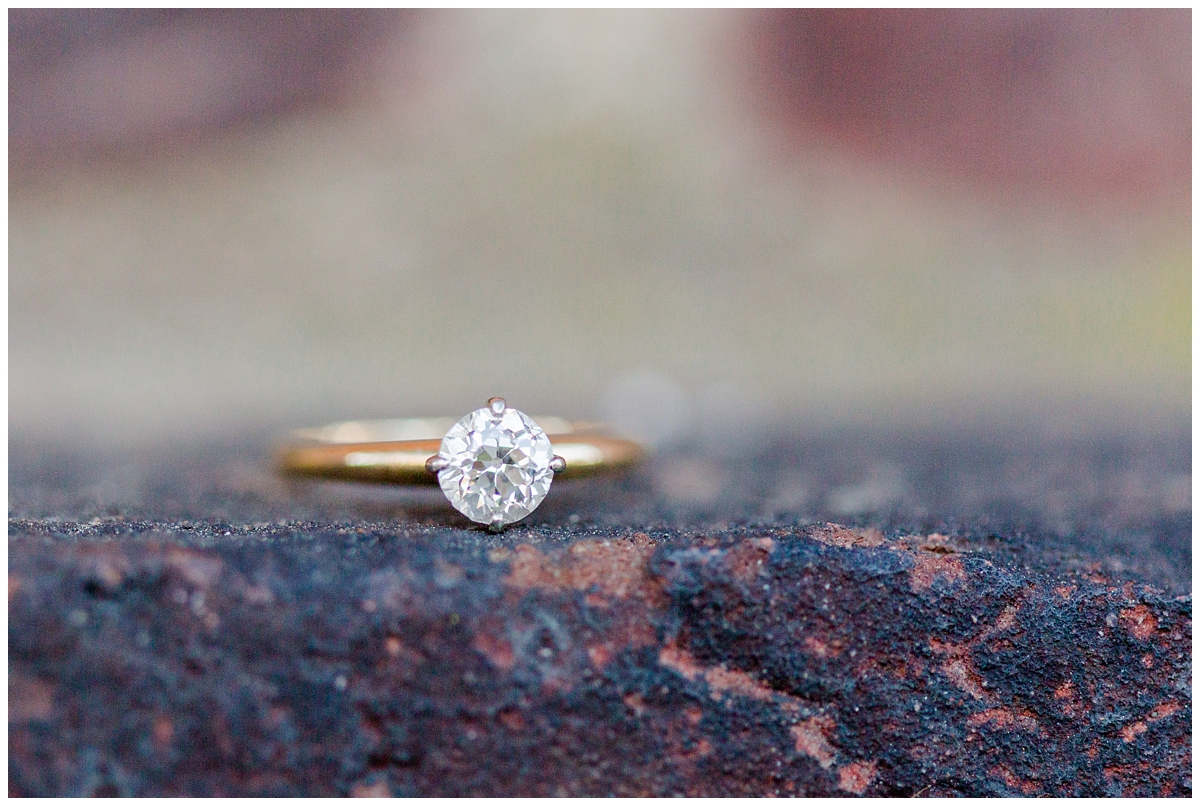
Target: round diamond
497	465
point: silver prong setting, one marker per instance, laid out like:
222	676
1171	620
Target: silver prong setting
497	525
435	464
497	405
558	464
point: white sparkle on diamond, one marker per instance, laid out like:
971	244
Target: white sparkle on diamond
497	466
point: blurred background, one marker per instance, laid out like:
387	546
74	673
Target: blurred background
705	226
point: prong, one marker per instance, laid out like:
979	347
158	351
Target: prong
435	464
497	405
497	524
558	464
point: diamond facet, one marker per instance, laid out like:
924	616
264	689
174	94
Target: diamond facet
498	465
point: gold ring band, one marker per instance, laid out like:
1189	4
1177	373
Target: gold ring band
397	451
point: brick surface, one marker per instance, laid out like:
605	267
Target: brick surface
996	627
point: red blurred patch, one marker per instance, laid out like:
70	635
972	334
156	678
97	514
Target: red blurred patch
127	82
1068	101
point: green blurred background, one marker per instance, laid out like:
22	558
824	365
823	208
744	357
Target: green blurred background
702	225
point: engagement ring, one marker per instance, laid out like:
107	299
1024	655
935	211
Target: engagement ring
494	465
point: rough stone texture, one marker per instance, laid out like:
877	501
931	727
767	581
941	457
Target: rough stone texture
988	621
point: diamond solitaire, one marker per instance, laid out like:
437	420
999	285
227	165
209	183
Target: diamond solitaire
495	465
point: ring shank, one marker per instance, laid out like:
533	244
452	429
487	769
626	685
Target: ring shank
339	452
